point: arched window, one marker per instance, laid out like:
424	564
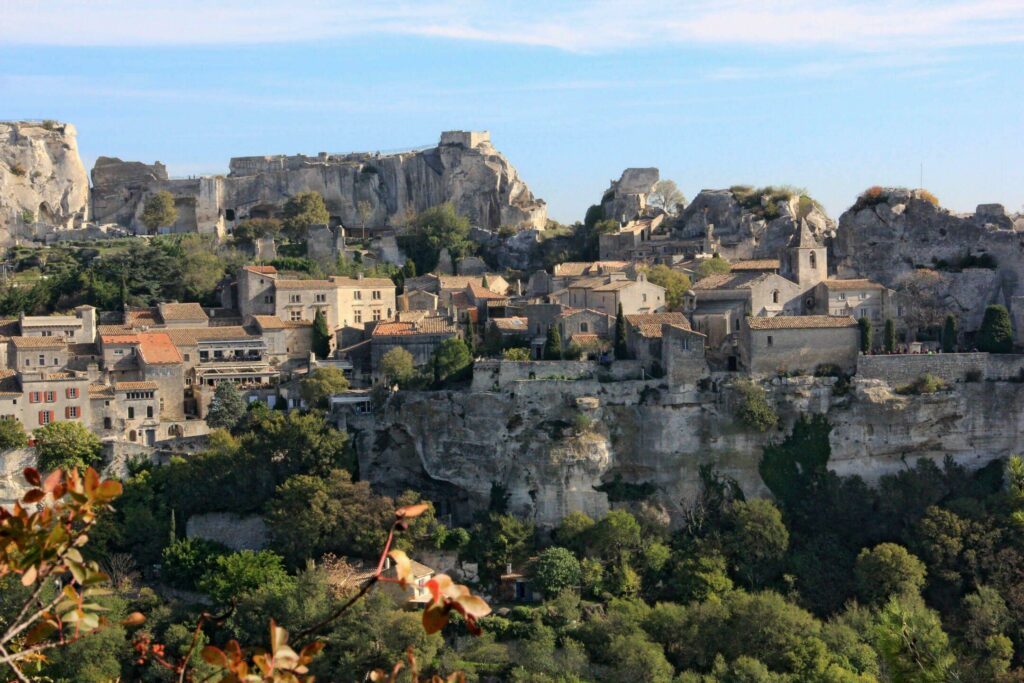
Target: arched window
814	260
131	435
775	297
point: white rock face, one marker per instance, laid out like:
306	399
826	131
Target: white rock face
462	446
42	178
626	198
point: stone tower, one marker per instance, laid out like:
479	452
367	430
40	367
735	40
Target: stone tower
806	260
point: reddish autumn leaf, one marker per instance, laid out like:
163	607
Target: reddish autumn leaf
31	475
410	511
33	496
52	480
435	617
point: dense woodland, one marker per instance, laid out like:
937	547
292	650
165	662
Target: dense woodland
917	579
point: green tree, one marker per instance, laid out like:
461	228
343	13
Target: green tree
574	531
185	561
318	386
254	229
753	408
226	408
303	210
555	570
312	515
66	445
888	570
636	659
553	344
321	342
890	336
12	434
996	333
949	335
865	334
756	540
517	353
246	571
496	541
621	348
616	534
712	266
451	359
667	197
432	230
911	643
398	366
988	619
409	269
159	210
675	283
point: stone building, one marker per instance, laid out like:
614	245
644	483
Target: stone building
607	293
420	335
622	244
799	343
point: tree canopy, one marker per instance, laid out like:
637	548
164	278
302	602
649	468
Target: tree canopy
321	384
66	444
303	210
439	227
227	406
159	210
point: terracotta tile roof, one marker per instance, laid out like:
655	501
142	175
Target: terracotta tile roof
649	324
83	349
182	336
583	338
38	342
51	321
757	264
186	311
801	322
494	281
134	386
155	348
615	285
424	326
577	268
140	316
742	279
10	387
272	322
304	284
842	285
587	283
365	283
226	333
60	376
461	300
509	324
10	327
107	330
261	270
101	391
478	291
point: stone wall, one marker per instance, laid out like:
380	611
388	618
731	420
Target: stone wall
491	374
234	531
902	369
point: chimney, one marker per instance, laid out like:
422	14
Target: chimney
508	568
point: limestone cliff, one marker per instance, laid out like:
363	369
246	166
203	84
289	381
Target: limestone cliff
42	179
889	232
751	223
375	190
552	444
626	198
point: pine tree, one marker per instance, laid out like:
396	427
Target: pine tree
321	343
484	283
865	335
621	349
996	333
553	345
949	335
227	406
890	336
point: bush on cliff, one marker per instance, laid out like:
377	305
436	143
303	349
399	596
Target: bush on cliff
925	384
753	408
996	333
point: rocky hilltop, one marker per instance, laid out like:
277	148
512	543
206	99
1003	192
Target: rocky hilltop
42	178
752	223
375	190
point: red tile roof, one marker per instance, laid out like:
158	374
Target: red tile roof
801	322
262	270
424	326
155	348
649	324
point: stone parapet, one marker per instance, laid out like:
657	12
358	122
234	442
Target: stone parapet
902	369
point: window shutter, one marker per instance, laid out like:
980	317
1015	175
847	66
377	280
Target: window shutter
41	414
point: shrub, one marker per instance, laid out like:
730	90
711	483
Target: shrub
925	384
996	333
17	169
928	197
753	408
67	445
556	569
27	217
582	423
187	560
517	353
49	124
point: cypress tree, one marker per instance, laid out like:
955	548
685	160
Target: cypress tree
996	333
471	337
865	335
553	345
890	336
621	350
409	269
949	335
321	343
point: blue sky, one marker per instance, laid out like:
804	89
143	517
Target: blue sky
831	95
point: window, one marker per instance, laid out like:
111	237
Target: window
685	343
149	411
842	296
584	327
108	423
71	412
775	297
357	295
376	314
51	396
320	298
42	359
376	294
268	299
47	333
35	397
294	298
863	312
28	362
131	413
770	340
295	315
644	298
814	260
71	392
45	417
358	316
188	357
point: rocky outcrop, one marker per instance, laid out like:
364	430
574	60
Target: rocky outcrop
42	179
371	190
889	232
626	198
751	223
556	446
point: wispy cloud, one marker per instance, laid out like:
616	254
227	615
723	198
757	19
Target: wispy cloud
599	26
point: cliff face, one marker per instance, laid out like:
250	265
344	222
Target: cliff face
42	178
456	446
887	236
360	189
748	223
